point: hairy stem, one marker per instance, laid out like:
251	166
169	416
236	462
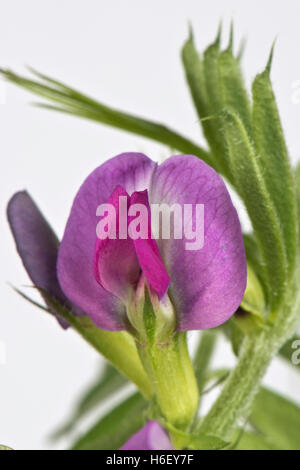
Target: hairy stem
236	398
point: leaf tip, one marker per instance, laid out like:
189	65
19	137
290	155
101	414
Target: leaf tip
242	48
190	31
270	59
231	37
217	41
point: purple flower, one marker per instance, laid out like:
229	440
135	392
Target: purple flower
151	437
37	246
102	276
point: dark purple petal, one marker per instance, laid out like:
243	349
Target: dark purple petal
131	171
151	437
36	243
148	254
207	285
116	264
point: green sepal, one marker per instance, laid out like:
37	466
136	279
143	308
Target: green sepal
150	320
170	370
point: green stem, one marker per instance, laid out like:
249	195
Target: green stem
170	370
203	356
258	349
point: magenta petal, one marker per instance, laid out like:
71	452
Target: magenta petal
151	437
37	245
133	172
116	264
207	284
148	254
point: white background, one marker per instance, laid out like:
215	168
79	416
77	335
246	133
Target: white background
126	53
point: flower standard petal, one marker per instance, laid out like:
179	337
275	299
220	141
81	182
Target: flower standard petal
151	437
131	171
207	284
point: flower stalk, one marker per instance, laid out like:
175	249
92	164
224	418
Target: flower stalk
170	370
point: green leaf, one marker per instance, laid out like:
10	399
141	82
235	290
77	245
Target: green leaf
194	71
193	441
273	160
255	259
115	428
109	382
251	186
203	356
254	299
195	76
202	78
277	418
253	441
73	102
235	335
233	91
215	103
216	82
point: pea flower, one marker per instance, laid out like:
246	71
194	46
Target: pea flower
106	278
132	279
151	437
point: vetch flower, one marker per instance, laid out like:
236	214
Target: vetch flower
154	288
151	437
193	289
